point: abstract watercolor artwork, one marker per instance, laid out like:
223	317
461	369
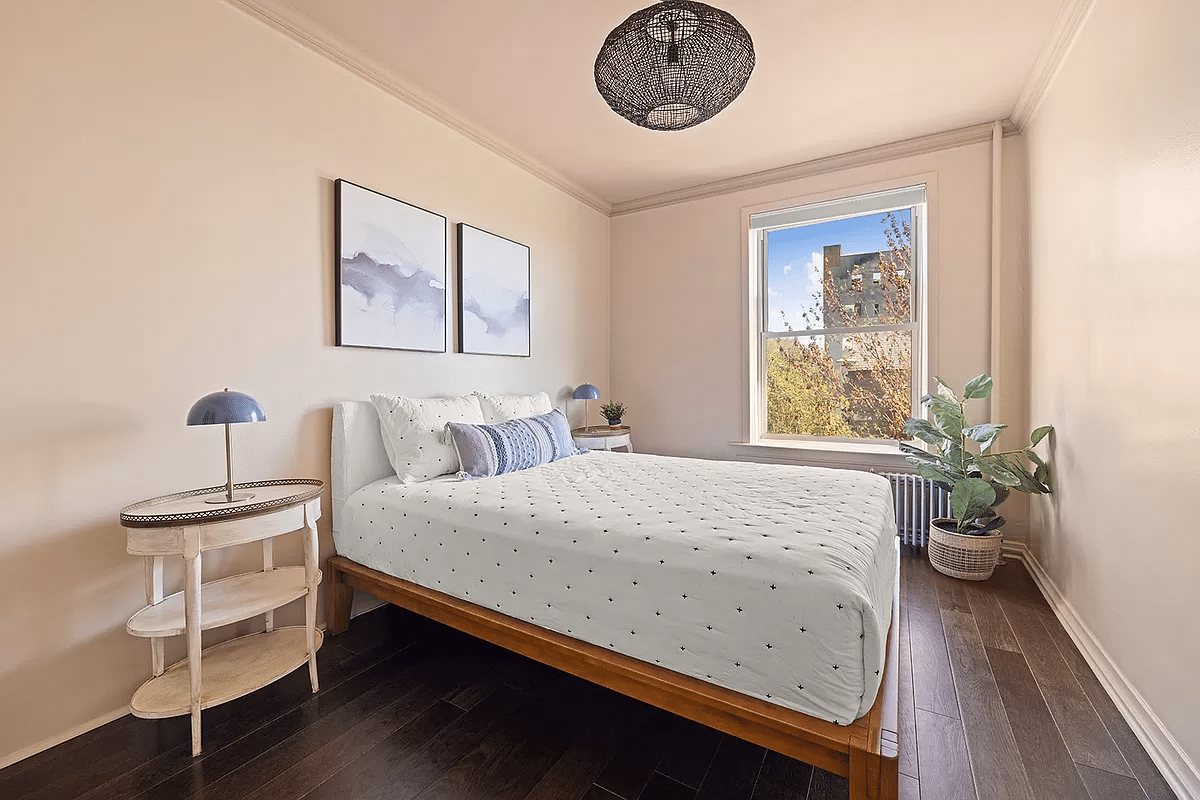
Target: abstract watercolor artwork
493	294
391	273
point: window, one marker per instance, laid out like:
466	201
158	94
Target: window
840	340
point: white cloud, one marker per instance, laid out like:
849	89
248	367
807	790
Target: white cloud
774	293
816	269
787	268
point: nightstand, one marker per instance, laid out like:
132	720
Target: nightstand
185	525
603	437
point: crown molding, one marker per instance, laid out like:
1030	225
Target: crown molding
1069	23
820	166
314	36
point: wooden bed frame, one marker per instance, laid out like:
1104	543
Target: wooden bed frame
865	751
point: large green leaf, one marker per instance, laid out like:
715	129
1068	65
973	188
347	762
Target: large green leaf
1002	474
978	387
1013	465
939	473
1039	434
915	455
1002	493
1042	472
945	391
986	434
949	419
971	498
923	430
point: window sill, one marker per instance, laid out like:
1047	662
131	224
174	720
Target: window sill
846	455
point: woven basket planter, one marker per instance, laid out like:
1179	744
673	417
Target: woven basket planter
971	558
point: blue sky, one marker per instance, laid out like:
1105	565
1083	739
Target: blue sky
794	262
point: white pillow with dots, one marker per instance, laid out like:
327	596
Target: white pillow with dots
413	428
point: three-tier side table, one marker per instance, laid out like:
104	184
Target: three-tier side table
185	525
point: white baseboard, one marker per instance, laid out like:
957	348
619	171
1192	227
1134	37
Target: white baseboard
59	738
1175	765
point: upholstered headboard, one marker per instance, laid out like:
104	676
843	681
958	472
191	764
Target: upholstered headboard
358	456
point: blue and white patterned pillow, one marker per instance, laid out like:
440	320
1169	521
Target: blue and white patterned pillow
487	450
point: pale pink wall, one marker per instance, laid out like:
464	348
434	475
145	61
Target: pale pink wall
1114	172
167	231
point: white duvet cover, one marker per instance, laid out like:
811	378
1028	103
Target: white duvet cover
774	581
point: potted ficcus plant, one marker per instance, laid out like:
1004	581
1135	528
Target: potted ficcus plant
613	412
968	545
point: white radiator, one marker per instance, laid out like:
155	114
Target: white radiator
917	501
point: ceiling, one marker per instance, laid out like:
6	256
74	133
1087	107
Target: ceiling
831	77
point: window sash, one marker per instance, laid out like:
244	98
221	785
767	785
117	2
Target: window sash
875	203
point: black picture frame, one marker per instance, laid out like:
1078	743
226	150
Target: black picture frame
494	294
390	293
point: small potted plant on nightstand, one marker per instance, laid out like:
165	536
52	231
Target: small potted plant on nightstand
968	545
613	411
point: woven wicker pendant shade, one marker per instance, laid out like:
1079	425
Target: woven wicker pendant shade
674	65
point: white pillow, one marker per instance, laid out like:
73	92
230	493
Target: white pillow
504	407
413	428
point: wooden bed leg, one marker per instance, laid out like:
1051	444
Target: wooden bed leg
338	599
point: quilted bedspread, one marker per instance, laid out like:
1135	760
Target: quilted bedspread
774	581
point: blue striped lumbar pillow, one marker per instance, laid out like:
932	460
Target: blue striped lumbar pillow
487	450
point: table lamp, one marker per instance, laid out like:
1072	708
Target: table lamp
586	392
226	408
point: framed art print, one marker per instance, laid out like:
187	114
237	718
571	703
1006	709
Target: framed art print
493	294
391	272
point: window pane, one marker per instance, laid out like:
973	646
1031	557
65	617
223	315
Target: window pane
842	273
854	385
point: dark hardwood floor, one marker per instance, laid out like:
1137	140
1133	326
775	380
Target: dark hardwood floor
996	702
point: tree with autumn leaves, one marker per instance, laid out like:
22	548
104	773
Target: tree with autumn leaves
859	385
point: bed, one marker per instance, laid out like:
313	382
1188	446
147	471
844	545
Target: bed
757	600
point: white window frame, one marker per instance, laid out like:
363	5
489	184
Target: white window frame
837	451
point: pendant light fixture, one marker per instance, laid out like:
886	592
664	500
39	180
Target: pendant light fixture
674	65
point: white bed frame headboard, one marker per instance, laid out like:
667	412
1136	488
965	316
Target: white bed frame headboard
358	457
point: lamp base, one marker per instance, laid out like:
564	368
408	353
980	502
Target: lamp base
223	499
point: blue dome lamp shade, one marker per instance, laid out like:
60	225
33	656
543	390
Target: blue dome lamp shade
585	392
226	408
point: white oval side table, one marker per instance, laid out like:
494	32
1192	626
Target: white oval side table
603	437
184	525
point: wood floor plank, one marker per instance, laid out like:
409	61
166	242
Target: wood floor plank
424	687
1012	581
910	788
945	766
630	769
368	769
782	778
933	683
422	767
689	753
827	786
734	771
1047	761
596	793
907	710
1153	784
952	593
508	762
574	773
1086	736
1103	785
989	618
661	787
995	760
